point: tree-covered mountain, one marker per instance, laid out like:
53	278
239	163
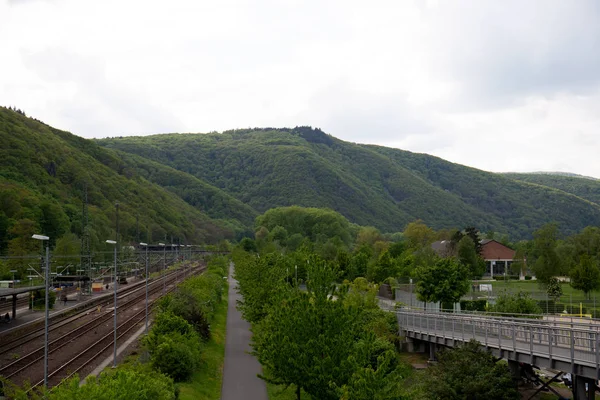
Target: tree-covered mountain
44	173
584	187
370	185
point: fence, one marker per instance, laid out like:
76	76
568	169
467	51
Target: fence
553	339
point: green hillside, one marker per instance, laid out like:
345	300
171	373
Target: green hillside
43	175
370	185
583	187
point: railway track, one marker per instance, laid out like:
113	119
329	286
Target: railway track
9	344
32	360
100	348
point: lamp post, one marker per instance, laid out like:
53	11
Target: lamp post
46	280
13	274
164	266
113	242
147	277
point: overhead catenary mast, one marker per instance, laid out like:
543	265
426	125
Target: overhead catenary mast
85	252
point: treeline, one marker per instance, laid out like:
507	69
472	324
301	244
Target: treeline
173	348
324	340
366	252
369	185
329	349
46	176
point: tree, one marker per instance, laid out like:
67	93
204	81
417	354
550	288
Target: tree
473	233
418	235
445	281
547	262
468	256
383	268
127	382
260	278
553	289
368	235
68	249
468	372
519	305
586	276
317	344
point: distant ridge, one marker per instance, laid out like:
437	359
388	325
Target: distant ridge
557	173
370	185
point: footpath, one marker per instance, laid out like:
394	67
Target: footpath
240	380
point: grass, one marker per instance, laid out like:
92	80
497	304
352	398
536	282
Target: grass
206	383
279	392
570	295
534	287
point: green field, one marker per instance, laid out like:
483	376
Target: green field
570	296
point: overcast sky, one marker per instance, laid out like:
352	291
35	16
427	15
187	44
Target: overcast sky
498	85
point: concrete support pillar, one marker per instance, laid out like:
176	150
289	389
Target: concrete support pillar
580	384
14	306
410	345
516	371
432	352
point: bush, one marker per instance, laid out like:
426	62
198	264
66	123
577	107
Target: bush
506	277
550	306
517	305
573	309
196	299
130	382
176	355
473	305
528	277
39	299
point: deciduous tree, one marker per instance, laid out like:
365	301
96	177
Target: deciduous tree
586	276
445	281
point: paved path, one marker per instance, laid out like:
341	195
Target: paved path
240	380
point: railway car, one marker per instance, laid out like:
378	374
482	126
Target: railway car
7	284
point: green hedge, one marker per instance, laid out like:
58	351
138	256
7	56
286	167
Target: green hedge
506	277
473	305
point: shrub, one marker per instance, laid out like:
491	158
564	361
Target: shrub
39	300
473	305
518	305
130	382
528	277
506	277
175	355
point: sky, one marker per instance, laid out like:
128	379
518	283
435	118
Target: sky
497	85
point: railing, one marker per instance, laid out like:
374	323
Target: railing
567	340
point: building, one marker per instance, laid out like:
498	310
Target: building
498	257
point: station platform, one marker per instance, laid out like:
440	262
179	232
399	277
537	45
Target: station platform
74	300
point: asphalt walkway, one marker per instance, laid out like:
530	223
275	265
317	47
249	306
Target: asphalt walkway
240	380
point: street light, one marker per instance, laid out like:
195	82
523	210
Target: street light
13	273
164	266
115	306
147	277
46	280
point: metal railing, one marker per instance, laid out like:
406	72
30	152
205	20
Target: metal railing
565	339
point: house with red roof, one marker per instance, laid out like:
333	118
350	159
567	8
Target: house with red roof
498	257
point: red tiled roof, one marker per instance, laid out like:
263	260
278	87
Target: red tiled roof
493	250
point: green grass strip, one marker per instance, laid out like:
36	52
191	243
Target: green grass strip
206	383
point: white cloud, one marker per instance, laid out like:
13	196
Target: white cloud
500	86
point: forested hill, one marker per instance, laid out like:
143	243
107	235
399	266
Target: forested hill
44	173
370	185
584	187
